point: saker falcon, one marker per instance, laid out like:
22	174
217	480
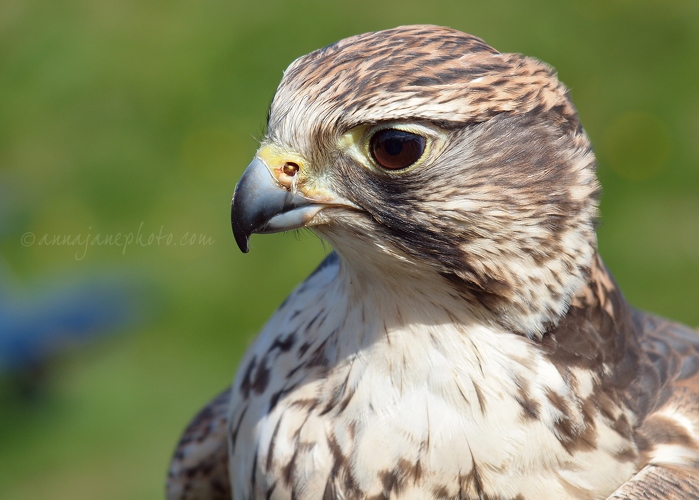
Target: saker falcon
464	340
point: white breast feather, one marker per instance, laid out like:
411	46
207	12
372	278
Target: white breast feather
416	376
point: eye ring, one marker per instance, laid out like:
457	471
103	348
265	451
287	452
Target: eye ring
394	149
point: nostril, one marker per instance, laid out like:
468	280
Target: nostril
290	168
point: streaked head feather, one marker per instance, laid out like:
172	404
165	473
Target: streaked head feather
503	210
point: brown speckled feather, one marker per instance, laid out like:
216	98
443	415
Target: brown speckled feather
199	466
673	349
660	483
466	340
673	424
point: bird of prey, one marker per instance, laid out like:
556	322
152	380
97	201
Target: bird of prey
464	340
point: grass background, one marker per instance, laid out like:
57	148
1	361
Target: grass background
120	115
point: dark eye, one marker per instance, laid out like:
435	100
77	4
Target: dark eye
396	149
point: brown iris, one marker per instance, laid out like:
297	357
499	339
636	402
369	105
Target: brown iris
395	149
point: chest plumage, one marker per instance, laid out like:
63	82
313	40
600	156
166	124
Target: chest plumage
362	399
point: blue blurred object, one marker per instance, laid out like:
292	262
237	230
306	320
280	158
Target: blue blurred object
37	328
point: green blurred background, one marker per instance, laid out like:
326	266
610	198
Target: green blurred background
120	115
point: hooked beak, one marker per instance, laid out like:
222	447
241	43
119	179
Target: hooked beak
261	205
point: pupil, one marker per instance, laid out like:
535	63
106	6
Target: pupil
393	146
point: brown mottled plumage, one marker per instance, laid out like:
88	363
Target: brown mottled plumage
465	340
199	468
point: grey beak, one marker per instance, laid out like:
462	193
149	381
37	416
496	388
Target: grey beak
261	205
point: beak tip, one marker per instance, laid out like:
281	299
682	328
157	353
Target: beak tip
243	244
261	205
241	236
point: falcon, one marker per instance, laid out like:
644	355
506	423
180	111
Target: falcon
464	340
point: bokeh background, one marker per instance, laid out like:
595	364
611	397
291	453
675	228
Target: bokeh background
128	116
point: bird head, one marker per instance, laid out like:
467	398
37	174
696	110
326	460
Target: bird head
424	147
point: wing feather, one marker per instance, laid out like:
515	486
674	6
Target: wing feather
199	466
659	483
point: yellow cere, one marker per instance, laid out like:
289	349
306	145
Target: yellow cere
308	184
275	157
